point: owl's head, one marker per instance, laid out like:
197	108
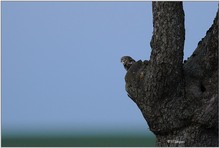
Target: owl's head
127	61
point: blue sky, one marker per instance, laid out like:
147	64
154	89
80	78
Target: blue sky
61	65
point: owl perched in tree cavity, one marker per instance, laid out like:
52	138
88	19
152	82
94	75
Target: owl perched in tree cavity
127	61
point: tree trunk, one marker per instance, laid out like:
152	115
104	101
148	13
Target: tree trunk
178	100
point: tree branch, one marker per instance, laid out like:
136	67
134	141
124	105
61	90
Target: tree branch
167	44
201	77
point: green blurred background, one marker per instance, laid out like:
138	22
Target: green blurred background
65	140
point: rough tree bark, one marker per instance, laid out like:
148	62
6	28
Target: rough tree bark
179	100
